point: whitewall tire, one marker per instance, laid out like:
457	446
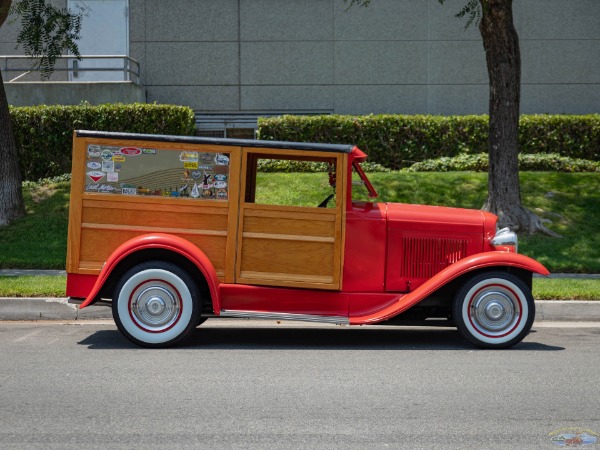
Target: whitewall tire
494	310
156	304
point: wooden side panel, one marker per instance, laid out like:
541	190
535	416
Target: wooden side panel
276	249
294	223
151	214
75	207
107	224
99	222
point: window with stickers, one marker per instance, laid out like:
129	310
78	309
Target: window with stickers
157	172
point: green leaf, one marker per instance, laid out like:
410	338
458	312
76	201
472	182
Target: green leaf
47	32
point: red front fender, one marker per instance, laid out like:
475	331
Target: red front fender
164	242
471	263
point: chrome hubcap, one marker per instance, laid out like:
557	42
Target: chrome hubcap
155	306
494	310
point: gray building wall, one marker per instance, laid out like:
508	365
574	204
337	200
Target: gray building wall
396	56
68	93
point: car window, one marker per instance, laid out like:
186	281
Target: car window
291	181
155	172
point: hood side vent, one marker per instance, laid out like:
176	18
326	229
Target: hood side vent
423	257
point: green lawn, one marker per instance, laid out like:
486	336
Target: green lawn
569	201
33	286
566	289
38	240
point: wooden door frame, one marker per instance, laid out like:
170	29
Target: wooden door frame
247	187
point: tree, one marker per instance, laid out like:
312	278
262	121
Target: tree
46	32
503	57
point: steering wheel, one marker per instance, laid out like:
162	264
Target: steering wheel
323	204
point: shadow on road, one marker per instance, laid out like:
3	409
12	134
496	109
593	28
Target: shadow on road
221	338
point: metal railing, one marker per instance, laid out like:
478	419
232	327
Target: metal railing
130	67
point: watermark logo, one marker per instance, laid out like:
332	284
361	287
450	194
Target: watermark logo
573	437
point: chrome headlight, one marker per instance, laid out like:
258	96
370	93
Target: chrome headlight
505	241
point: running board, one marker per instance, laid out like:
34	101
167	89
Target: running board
340	320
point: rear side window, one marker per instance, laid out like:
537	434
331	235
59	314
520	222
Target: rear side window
157	172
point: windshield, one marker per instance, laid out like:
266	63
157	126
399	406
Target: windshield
362	189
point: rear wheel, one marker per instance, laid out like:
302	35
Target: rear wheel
494	310
156	304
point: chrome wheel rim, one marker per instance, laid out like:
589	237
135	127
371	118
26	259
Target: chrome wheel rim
155	306
494	310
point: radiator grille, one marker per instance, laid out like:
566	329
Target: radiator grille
424	257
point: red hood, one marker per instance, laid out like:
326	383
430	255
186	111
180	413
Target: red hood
423	217
423	240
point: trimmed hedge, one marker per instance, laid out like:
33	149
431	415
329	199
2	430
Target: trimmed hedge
551	162
398	141
288	166
44	134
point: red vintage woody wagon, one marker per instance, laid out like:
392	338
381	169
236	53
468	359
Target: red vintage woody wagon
174	230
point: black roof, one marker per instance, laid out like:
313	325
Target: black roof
336	148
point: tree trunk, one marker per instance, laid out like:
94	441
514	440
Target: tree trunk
11	197
503	56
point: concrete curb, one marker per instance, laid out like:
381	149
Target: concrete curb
49	309
567	311
59	309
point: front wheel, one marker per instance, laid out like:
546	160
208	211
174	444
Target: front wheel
494	310
156	304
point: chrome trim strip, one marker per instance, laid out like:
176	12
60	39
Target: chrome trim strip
285	316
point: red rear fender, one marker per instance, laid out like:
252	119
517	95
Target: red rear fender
163	242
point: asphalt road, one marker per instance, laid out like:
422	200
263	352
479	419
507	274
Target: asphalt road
263	385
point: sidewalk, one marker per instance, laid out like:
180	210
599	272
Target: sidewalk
60	309
30	272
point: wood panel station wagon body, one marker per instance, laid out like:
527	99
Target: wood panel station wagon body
174	230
